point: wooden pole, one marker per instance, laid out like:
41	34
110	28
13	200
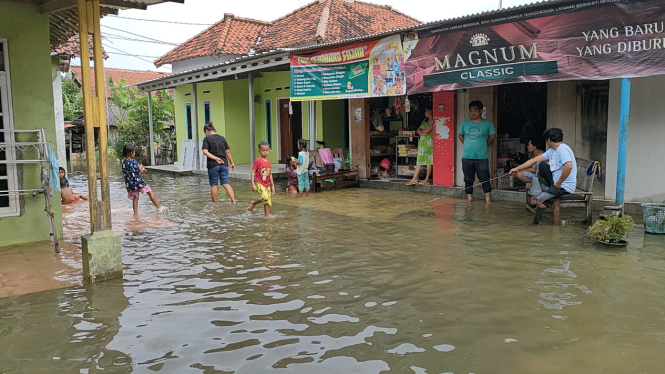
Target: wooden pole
88	117
100	84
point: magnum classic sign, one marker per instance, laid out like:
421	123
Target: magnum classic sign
599	39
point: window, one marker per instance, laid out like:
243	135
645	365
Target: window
188	117
206	111
8	203
269	122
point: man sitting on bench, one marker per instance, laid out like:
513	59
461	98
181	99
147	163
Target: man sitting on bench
559	178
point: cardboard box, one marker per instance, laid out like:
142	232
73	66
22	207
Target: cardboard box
406	169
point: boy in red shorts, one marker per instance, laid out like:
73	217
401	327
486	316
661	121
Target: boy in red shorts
262	181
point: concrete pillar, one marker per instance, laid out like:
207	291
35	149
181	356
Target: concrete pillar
102	256
252	121
151	142
312	124
195	123
59	121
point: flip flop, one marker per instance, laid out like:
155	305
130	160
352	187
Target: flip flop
424	183
411	183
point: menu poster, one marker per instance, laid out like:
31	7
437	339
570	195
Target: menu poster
369	69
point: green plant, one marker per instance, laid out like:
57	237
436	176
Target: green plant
133	124
611	229
72	98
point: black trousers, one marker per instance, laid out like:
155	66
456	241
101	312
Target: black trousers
471	168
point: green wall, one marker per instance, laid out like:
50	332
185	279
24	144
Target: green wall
27	34
236	112
333	123
230	113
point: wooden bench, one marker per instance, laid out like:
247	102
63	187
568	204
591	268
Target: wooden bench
341	179
583	196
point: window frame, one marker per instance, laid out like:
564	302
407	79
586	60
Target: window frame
269	118
207	117
12	177
189	121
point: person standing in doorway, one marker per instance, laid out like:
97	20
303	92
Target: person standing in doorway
476	134
425	149
216	149
559	177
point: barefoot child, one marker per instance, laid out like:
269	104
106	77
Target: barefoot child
131	170
262	181
303	164
292	184
68	196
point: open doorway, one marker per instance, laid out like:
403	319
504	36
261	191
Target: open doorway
521	117
290	128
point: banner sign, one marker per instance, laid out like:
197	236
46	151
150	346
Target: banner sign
373	69
599	39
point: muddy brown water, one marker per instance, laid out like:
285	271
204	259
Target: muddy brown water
352	281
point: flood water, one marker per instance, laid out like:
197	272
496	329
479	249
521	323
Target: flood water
352	281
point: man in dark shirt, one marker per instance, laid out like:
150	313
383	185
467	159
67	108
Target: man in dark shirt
216	149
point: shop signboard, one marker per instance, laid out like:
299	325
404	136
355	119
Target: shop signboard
369	69
600	39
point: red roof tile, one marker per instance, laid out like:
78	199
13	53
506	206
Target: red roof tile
231	35
131	76
317	22
71	48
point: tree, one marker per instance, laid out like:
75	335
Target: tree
72	98
133	127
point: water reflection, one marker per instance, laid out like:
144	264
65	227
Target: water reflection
348	281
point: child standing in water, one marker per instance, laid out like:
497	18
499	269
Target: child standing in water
301	170
292	183
131	170
262	181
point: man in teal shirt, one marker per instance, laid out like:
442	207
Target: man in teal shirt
476	134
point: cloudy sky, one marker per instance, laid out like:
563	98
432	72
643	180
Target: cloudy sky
145	40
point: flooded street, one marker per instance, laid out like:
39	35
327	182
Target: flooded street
351	281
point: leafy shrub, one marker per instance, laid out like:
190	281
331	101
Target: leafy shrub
611	229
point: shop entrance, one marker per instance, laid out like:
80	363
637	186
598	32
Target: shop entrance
521	116
290	128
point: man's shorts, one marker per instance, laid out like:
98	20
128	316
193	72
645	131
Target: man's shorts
529	174
264	194
218	173
303	182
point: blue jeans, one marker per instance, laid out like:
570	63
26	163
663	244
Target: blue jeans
219	172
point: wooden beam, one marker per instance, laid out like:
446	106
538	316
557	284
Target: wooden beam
58	5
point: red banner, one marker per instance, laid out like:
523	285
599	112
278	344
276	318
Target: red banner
599	39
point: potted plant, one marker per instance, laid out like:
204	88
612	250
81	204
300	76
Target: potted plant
611	230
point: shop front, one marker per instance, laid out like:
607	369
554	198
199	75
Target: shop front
540	67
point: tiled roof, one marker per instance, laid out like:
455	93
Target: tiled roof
71	48
231	35
331	21
321	21
131	76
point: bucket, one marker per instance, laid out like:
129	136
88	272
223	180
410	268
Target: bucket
330	168
654	218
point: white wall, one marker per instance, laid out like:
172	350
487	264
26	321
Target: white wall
645	180
199	62
59	121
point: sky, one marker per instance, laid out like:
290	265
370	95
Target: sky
116	31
